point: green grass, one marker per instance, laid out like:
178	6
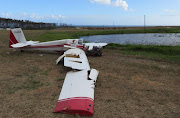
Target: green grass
29	84
171	53
60	79
46	73
50	35
32	84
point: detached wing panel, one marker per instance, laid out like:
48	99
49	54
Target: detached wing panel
77	94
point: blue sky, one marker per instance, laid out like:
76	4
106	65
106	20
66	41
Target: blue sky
94	12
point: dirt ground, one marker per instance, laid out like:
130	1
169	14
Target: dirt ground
127	86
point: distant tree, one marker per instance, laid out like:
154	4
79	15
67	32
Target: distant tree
25	24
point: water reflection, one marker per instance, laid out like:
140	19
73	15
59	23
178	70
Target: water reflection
142	39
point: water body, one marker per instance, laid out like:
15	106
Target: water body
172	39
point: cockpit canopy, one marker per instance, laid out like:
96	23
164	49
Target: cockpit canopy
80	41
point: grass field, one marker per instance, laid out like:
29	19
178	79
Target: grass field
168	53
133	81
74	33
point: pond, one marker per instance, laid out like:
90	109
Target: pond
172	39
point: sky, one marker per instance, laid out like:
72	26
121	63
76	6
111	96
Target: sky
94	12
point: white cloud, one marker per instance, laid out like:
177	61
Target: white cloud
34	17
120	3
169	11
6	15
108	2
117	3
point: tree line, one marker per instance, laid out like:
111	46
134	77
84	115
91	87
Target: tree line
26	24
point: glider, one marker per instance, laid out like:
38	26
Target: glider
18	41
77	93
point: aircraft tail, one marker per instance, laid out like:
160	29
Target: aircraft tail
16	36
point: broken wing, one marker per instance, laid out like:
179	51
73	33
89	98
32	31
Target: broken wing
77	93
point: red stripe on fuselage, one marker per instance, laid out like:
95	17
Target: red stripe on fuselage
52	46
49	46
79	46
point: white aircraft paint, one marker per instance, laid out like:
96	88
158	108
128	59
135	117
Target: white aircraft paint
75	59
91	45
77	93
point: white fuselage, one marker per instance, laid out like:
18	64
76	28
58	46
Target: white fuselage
57	45
18	41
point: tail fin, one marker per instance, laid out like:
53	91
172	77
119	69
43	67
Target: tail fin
16	36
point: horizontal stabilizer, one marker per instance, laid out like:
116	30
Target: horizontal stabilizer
20	45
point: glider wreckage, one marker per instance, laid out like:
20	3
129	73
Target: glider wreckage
77	93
